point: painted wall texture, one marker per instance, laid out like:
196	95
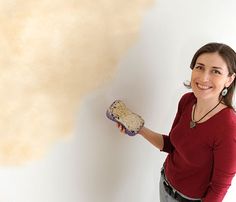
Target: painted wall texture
53	53
43	43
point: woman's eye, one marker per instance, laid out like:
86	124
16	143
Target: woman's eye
198	67
216	72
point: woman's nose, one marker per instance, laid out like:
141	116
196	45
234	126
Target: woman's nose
205	76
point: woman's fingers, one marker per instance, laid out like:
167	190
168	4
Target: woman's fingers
121	128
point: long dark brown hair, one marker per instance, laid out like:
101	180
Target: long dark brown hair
229	56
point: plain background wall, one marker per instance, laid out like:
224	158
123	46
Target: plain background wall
97	163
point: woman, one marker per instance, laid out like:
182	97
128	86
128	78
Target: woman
201	145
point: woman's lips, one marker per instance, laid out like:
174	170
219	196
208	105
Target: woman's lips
203	87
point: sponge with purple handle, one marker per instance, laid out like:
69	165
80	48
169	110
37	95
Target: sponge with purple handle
119	113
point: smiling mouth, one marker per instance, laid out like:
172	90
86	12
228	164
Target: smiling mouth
203	87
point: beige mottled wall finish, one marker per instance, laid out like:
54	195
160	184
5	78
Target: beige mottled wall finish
53	53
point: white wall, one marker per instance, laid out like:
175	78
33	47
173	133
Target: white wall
98	164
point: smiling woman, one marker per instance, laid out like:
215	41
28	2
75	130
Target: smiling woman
213	70
201	145
212	128
209	76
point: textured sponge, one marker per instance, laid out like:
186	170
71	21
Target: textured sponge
119	113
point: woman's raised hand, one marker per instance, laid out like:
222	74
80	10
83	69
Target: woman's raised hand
121	128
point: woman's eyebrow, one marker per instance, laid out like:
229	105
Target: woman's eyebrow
199	63
217	67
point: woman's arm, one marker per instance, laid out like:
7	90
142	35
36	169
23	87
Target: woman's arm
154	138
224	169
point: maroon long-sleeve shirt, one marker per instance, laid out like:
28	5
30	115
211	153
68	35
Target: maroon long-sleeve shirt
202	160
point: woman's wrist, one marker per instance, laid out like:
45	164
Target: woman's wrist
142	130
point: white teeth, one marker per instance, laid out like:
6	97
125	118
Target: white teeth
203	87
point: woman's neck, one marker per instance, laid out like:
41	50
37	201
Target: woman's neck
203	106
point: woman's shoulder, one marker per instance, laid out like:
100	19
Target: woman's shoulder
187	98
227	121
230	115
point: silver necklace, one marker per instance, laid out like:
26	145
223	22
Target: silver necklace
194	123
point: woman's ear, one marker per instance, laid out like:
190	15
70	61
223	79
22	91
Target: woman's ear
230	80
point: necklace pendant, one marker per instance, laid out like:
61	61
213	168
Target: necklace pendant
192	124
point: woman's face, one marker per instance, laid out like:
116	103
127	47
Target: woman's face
209	76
